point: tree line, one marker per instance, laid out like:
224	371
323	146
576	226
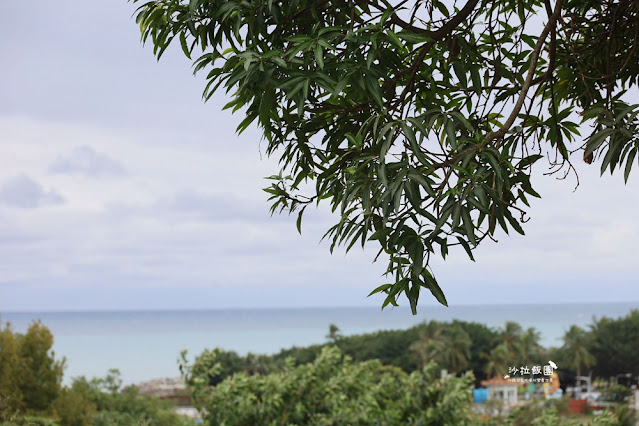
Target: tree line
609	347
390	376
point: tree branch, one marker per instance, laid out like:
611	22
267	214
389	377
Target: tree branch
499	134
445	29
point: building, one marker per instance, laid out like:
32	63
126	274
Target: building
501	390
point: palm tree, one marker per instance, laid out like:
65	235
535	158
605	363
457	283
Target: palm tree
511	337
531	350
498	361
449	347
575	343
430	344
333	333
457	349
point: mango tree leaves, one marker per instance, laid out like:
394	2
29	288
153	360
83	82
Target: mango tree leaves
419	122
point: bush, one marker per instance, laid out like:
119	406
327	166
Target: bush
626	416
115	406
30	376
616	393
332	390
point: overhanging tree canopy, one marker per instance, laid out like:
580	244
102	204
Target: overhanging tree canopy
418	121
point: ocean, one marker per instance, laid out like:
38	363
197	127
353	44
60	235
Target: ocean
145	345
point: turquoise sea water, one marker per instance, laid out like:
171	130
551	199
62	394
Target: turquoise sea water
146	344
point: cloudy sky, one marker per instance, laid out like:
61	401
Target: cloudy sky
121	189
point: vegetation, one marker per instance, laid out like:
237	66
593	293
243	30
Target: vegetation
614	344
388	377
333	332
575	344
391	347
30	376
31	391
417	121
334	390
104	402
449	347
490	352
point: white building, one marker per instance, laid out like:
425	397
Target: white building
501	390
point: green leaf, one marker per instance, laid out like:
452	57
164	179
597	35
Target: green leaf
411	37
395	39
442	8
434	288
460	117
494	163
527	161
596	140
373	86
466	247
319	56
460	72
479	206
193	4
513	222
379	289
474	75
370	58
409	133
390	299
266	106
390	138
419	178
629	161
456	215
468	226
185	48
298	224
339	88
450	134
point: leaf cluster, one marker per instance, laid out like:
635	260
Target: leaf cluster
417	122
30	376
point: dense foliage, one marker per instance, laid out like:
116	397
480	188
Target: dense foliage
391	347
334	390
614	344
456	346
418	121
30	376
388	377
104	402
31	391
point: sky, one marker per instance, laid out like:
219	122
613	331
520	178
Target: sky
121	189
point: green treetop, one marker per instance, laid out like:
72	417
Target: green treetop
30	376
417	121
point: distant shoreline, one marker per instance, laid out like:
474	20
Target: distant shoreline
305	308
94	342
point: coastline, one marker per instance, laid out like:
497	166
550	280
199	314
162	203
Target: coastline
94	342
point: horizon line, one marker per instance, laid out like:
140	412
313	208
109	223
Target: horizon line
291	308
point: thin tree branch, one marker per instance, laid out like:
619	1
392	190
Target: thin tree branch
499	134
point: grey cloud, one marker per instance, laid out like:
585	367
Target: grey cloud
215	206
23	192
87	161
227	206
